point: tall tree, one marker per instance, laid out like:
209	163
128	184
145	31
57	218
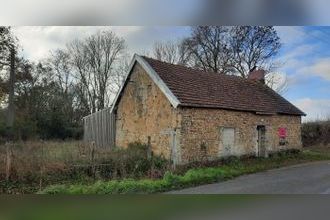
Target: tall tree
62	76
11	106
235	50
118	76
170	52
59	62
7	40
94	62
253	46
207	48
45	109
8	58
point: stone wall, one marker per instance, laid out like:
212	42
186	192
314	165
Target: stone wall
201	132
189	134
143	112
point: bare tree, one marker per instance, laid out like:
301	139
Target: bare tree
277	81
207	48
94	62
235	50
59	62
118	77
253	46
168	51
103	52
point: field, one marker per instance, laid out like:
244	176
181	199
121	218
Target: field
29	167
73	167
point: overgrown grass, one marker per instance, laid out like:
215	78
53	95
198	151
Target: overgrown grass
192	177
35	165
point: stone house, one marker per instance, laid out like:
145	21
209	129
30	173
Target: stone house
187	114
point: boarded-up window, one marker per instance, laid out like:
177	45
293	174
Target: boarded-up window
228	141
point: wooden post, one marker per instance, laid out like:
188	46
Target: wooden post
42	167
41	175
93	159
8	161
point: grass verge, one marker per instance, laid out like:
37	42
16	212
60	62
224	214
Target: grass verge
192	177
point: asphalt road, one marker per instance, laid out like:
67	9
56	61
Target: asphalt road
310	178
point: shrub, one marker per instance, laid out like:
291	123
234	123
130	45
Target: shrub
56	189
134	162
316	133
285	153
171	179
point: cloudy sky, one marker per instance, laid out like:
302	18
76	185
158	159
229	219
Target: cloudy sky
305	55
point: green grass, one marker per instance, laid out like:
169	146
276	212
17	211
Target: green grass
192	177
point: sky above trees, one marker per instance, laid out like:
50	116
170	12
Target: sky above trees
304	56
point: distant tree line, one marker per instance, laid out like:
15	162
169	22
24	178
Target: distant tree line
53	94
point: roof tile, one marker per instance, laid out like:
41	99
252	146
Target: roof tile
196	88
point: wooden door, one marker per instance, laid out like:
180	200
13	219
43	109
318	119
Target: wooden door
261	140
228	141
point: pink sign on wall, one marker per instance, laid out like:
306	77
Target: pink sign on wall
282	132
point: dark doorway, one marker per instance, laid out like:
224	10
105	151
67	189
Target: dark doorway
261	140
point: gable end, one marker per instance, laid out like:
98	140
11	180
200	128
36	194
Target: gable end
154	77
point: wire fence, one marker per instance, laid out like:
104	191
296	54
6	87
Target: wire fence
30	166
37	164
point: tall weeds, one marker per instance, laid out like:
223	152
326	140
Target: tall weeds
39	163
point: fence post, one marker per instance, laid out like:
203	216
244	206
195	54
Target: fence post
41	167
93	159
8	161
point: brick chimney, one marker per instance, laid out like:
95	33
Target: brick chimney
257	75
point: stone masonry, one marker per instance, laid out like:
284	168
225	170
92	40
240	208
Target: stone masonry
201	132
189	134
143	112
